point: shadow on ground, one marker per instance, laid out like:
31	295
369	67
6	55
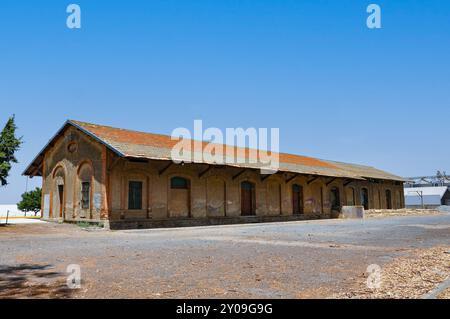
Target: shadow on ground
32	281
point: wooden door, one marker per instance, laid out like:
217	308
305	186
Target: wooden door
61	200
297	199
247	199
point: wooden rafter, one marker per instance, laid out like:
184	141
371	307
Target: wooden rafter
239	174
35	170
291	178
330	181
312	180
165	168
201	174
348	182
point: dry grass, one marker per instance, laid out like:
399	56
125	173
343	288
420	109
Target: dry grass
445	294
407	277
373	213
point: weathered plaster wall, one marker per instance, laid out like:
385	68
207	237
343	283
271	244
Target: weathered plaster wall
216	193
62	167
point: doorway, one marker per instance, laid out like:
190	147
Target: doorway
351	201
247	199
365	198
61	200
297	199
335	199
180	197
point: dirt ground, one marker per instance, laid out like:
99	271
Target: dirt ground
308	259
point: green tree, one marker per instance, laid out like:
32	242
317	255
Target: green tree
31	201
9	145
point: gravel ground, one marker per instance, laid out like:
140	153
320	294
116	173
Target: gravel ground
308	259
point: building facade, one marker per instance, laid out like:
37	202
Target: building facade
427	197
126	179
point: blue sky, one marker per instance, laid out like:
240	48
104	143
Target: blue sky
336	89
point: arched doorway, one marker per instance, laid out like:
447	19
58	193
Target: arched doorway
248	205
388	199
59	195
297	199
180	197
335	199
365	198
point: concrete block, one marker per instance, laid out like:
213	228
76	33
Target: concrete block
352	212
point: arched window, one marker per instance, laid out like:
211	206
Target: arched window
179	183
297	199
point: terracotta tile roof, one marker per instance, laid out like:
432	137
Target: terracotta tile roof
116	136
128	143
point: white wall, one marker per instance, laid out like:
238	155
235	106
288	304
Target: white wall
411	200
13	211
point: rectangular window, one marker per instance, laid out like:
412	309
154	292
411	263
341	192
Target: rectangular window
85	195
135	195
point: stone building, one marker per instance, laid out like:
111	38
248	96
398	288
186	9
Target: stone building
126	179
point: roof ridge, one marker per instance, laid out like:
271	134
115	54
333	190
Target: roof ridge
348	163
116	128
